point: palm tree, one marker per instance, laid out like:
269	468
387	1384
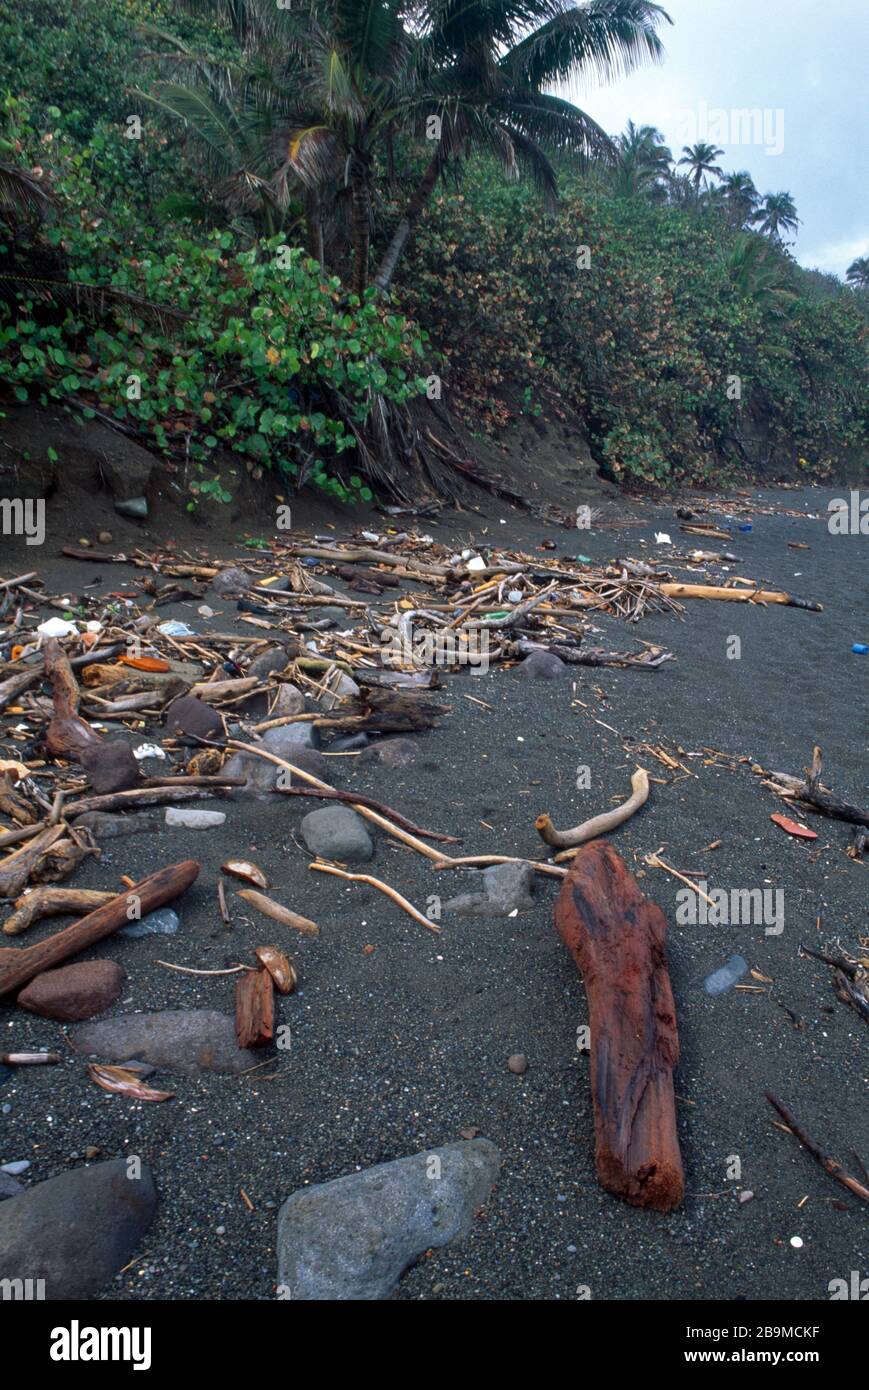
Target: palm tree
759	274
700	159
740	196
491	65
776	214
857	273
643	161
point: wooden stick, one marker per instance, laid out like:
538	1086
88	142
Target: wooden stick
384	888
278	912
830	1165
481	860
598	825
19	966
30	1059
356	800
737	595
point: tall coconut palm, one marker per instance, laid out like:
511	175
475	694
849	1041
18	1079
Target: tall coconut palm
700	160
740	196
493	63
643	161
776	214
857	273
322	84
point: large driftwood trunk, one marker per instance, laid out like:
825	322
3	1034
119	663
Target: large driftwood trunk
617	938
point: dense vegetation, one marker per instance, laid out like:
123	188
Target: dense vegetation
226	225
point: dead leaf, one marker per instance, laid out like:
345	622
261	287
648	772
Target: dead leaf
125	1083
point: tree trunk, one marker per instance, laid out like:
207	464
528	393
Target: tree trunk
314	220
360	223
402	233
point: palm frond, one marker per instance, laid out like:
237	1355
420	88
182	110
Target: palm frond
22	195
607	38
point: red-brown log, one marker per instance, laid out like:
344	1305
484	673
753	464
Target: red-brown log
617	938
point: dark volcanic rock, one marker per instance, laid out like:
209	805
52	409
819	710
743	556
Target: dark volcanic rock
77	1230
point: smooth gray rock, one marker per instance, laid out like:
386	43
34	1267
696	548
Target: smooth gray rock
541	666
9	1186
348	743
354	1237
392	752
190	716
77	1230
343	688
105	826
231	581
261	775
271	660
287	739
506	888
133	506
289	700
183	1040
337	832
194	820
161	922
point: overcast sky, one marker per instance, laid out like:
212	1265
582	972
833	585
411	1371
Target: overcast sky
803	68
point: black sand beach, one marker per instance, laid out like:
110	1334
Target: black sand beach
405	1047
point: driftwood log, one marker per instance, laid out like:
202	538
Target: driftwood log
617	938
67	734
18	965
51	902
254	1008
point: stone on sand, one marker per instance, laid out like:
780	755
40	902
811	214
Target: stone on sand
183	1040
392	752
337	832
541	666
193	717
74	992
506	888
354	1237
77	1230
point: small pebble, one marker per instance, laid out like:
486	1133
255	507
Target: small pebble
220	1230
797	1242
105	537
21	1165
746	1195
518	1063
